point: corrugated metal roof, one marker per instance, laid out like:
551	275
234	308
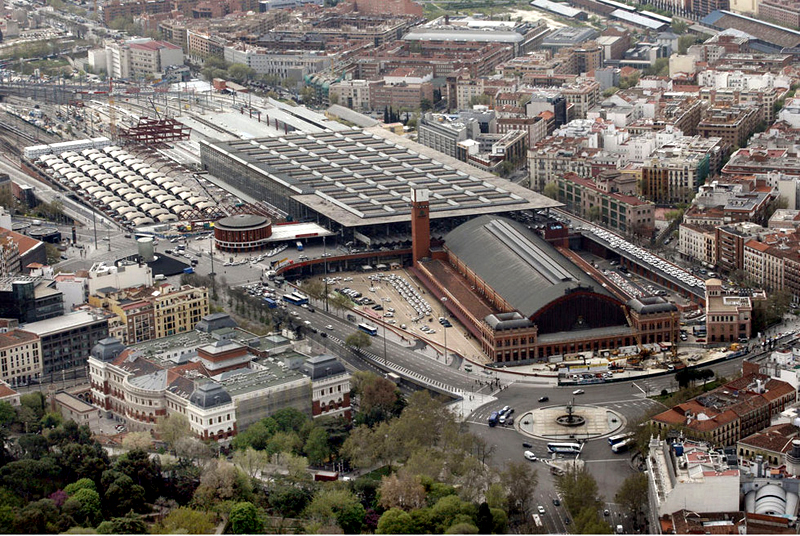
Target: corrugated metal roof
519	265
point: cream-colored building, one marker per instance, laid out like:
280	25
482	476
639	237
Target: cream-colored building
353	94
180	310
698	243
20	357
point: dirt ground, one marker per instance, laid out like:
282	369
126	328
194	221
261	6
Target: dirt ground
382	292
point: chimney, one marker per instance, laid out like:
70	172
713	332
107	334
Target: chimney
420	224
759	466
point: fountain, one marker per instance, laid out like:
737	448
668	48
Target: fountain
570	419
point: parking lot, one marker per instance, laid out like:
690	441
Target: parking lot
397	298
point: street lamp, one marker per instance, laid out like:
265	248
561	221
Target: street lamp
444	327
325	265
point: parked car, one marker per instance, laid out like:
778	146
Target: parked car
578	392
544	398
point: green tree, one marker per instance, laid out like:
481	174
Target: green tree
395	521
241	73
314	288
289	419
339	506
52	253
578	489
358	340
186	520
588	522
256	435
496	496
244	519
632	496
83	483
551	190
123	495
90	507
679	27
129	524
173	427
142	470
594	213
520	481
685	41
484	519
317	448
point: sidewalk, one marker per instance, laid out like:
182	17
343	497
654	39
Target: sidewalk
469	403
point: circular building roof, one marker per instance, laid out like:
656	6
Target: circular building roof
107	349
241	221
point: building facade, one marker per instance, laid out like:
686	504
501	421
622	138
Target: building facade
20	357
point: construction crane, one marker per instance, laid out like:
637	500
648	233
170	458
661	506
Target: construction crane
112	113
643	352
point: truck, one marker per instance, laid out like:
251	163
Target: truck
493	418
326	476
272	304
188	270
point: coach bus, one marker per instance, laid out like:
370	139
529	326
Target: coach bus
368	329
564	448
613	440
299	246
294	299
622	446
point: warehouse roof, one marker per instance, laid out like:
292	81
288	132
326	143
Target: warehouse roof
363	178
520	266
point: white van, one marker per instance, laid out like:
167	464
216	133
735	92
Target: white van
160	277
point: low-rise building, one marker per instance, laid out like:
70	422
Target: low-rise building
123	274
29	298
689	473
18	251
73	408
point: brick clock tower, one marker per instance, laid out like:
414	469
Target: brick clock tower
420	224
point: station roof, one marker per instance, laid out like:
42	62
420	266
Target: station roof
363	177
523	268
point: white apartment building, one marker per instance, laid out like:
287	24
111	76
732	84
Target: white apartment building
20	357
293	65
141	57
698	242
120	276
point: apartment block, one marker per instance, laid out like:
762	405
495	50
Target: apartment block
608	202
673	177
782	12
734	124
443	134
698	243
728	316
285	65
384	95
730	244
353	94
20	357
554	156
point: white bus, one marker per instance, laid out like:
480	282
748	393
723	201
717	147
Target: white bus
564	448
537	520
613	440
622	446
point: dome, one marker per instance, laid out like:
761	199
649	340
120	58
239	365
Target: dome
209	394
107	349
322	366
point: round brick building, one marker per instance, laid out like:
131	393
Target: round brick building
242	232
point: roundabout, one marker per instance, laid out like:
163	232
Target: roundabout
570	421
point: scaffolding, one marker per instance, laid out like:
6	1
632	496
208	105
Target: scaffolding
153	132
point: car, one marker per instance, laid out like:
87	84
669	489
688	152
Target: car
578	392
556	502
544	398
306	322
527	445
540	509
567	521
329	327
606	512
63	257
530	456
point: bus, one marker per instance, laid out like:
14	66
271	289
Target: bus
368	329
622	446
272	304
564	448
394	378
294	299
537	520
299	246
613	440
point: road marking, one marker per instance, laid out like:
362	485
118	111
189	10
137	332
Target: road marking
606	461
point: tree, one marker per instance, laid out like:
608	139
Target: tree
244	519
395	521
338	506
315	289
33	445
90	507
520	481
251	461
122	496
496	496
221	481
137	440
684	42
578	488
405	492
142	470
173	427
241	73
52	253
358	340
484	519
289	419
425	105
185	520
340	302
83	483
588	522
256	435
594	213
551	190
317	448
632	495
679	27
129	524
